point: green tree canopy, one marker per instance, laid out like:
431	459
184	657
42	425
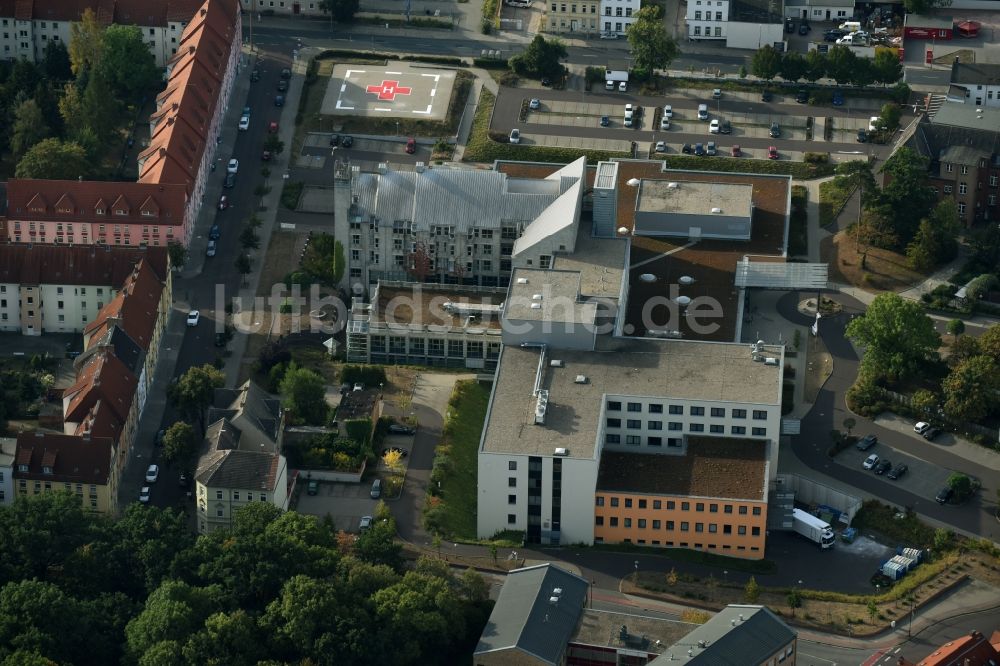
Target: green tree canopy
793	66
841	63
56	64
766	63
542	58
192	393
652	48
178	254
936	240
898	337
971	389
989	343
179	443
907	196
343	11
815	65
52	159
127	63
29	127
86	42
889	117
303	393
886	66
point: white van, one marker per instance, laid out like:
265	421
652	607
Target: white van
703	112
852	26
609	85
853	39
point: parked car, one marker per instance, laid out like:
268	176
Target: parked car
772	153
668	111
220	340
686	149
775	130
282	86
897	472
703	112
244	123
944	495
230	181
661	147
804	28
873	124
265	156
736	151
152	473
921	427
272	127
870	461
411	146
867	442
193	318
789	26
932	434
664	123
214	232
802	96
605	121
535	103
609	35
765	96
622	86
710	149
515	135
882	467
211	248
400	429
717	93
546	81
233	166
376	490
279	100
334	140
833	34
182	480
862	136
699	150
838	98
246	111
346	141
144	495
713	127
365	524
223	202
286	73
726	127
312	488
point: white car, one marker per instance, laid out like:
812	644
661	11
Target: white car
193	318
870	461
535	103
713	127
664	123
144	495
921	427
233	166
245	123
623	87
152	474
661	146
873	124
703	112
515	136
668	111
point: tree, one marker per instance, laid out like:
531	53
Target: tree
794	598
862	74
936	239
793	66
179	443
815	66
304	394
342	11
242	265
886	67
29	127
963	349
55	63
872	609
127	64
924	401
751	591
652	48
86	42
71	109
377	545
907	195
898	337
542	58
419	262
955	328
766	63
193	392
100	107
857	173
980	286
924	6
942	539
52	159
868	232
474	586
24	78
178	254
961	484
840	63
39	617
249	239
849	424
970	389
889	117
48	105
273	144
989	343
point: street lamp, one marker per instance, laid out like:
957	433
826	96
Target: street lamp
636	572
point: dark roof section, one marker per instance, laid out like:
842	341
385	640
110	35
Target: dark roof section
975	73
145	13
73	459
118	343
135	308
249	404
82	265
526	617
738	635
729	467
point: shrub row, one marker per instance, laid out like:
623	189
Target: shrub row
332	54
797	170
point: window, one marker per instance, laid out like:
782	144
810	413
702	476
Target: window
671	504
670	525
511	519
236	495
614	406
728	508
676	409
633	440
642	523
599	500
599	520
654	441
685	506
699	527
758	432
657	408
697	427
738	430
949	167
718	412
963	188
628	522
755	531
741	530
628	502
743	511
511	499
656	525
512	465
993	181
614	501
718	16
512	482
657	504
614	423
739	413
635	407
684	526
727	529
697	31
947	189
965	170
697	411
759	415
674	425
717	428
614	521
699	506
633	424
961	211
612	439
218	494
697	16
712	528
655	425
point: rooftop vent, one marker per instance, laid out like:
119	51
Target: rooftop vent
623	230
561	451
536	306
770	361
541	406
554	600
557	591
701	643
522	280
633	181
536	297
647	277
673	186
580	379
716	211
686	279
556	363
683	300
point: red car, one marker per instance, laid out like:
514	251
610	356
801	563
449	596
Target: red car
411	145
735	151
272	128
772	153
223	202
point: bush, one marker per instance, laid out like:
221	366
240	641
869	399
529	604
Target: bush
816	158
874	515
369	375
291	194
490	63
440	60
326	451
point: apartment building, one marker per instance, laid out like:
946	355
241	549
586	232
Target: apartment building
819	10
50	462
28	27
8	451
163	205
617	16
389	216
746	24
284	7
240	460
962	143
977	84
575	17
62	289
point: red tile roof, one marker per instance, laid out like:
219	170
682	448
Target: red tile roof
133	309
78	201
76	265
104	387
152	13
974	649
76	459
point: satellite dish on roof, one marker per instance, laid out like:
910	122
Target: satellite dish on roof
686	279
683	300
623	230
647	277
633	182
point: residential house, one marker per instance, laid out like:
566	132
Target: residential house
819	10
62	288
579	17
975	83
81	464
8	450
29	26
746	24
240	460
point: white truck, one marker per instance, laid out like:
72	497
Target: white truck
813	528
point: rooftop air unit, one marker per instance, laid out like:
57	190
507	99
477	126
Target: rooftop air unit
522	280
556	363
561	451
580	379
541	406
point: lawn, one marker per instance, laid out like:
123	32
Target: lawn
832	199
451	511
884	270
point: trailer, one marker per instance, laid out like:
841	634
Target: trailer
812	528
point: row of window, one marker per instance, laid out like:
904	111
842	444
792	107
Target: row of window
435	347
636	424
699	507
708	16
708	31
155	241
583	8
694	410
670	525
636	440
682	544
101	228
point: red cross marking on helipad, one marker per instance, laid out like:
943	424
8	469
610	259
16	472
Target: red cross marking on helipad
387	90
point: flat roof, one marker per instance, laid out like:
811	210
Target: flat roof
600	261
413	304
685	370
599	627
694	197
726	467
556	293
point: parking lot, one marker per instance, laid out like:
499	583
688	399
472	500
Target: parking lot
851	564
923	479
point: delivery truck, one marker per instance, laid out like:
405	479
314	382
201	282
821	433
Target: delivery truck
812	528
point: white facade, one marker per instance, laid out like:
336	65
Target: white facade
707	19
8	450
820	11
618	15
216	506
296	7
62	308
972	93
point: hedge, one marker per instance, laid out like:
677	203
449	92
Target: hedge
797	170
490	63
331	54
369	375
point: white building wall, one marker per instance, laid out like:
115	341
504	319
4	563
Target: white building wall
617	15
707	19
980	95
10	311
300	7
493	511
579	483
819	12
753	35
